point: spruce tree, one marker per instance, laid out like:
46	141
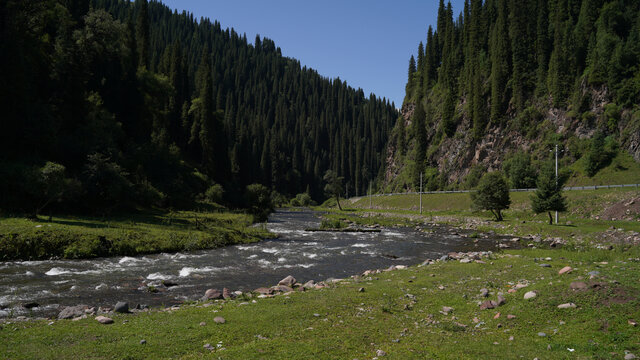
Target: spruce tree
548	196
142	33
500	67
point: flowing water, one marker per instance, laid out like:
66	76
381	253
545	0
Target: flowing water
305	255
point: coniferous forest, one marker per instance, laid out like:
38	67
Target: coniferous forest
505	81
115	104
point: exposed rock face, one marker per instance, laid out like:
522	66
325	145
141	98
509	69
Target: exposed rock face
455	156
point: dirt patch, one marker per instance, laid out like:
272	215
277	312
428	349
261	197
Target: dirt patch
614	295
628	209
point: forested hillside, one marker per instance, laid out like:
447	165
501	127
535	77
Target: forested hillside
110	103
502	83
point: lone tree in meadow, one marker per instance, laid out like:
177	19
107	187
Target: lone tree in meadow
492	194
333	186
548	197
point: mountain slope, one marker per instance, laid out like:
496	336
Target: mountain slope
506	81
140	105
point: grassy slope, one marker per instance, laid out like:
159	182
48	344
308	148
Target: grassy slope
353	324
148	232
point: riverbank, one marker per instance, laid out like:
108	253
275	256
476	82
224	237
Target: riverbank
124	235
595	218
437	310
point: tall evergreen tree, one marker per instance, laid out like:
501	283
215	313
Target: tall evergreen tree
142	33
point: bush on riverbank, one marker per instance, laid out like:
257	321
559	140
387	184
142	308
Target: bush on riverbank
74	238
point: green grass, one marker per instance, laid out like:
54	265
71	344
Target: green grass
622	170
352	324
133	234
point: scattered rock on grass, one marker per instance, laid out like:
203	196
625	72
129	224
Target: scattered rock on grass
382	353
484	292
530	295
541	334
578	285
143	341
104	320
208	347
629	356
219	320
566	306
565	270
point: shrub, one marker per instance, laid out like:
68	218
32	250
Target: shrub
214	194
492	194
258	201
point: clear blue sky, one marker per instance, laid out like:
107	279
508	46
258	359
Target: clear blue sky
364	42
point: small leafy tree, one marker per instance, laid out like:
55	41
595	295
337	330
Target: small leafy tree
492	194
548	197
333	186
258	199
214	194
53	182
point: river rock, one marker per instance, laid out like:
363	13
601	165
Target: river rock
263	291
565	270
219	320
71	312
30	305
212	294
121	307
227	294
309	284
281	288
104	320
288	281
530	295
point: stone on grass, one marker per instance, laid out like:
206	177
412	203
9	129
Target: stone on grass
578	285
484	292
501	300
203	324
566	306
487	305
565	270
497	315
208	347
121	307
545	265
143	341
632	322
361	290
212	294
219	320
70	312
288	281
309	284
446	310
629	356
511	317
382	353
541	334
281	288
104	320
530	295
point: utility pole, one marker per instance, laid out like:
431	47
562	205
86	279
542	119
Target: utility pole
556	178
420	193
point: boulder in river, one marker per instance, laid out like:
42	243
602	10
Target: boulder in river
212	294
121	307
309	284
288	281
71	312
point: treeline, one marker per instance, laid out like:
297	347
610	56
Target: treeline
109	103
502	63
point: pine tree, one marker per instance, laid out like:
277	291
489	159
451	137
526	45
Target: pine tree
142	33
500	67
542	47
548	196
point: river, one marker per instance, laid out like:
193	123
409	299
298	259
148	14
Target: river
45	286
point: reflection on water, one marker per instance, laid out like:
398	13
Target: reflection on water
305	255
